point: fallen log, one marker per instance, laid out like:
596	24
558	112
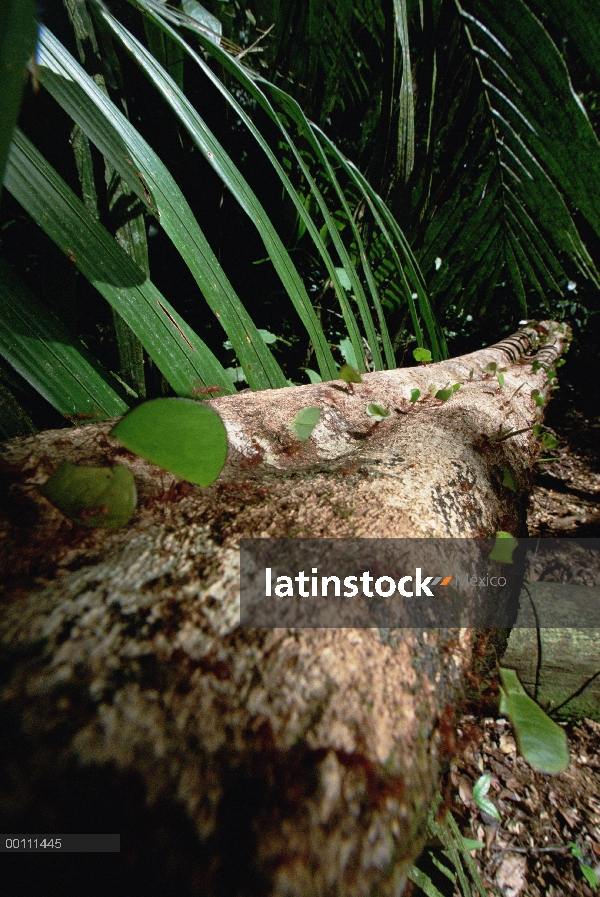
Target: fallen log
239	761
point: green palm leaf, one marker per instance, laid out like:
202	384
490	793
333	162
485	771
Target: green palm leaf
233	179
39	348
145	174
178	352
524	153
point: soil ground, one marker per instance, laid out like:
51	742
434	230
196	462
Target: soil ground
528	852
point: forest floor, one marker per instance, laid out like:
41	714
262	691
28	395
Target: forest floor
528	853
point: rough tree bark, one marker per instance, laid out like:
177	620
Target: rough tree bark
283	762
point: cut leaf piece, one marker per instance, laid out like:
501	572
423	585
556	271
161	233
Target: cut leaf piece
343	278
503	548
102	497
305	422
422	355
541	741
181	435
508	479
444	394
414	395
377	412
349	374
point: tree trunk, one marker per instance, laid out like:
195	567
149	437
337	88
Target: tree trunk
236	761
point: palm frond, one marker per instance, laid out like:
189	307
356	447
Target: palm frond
513	154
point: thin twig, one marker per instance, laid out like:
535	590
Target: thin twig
251	49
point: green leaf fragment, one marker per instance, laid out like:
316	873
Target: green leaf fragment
423	882
414	395
542	743
537	398
448	391
508	479
349	374
181	435
490	368
343	278
549	441
502	552
102	497
423	356
590	875
377	412
470	844
305	422
500	380
347	350
268	337
444	394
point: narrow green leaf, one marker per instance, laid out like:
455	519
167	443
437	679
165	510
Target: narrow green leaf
305	422
252	83
177	350
590	875
542	743
17	46
101	497
182	436
233	179
39	348
406	121
424	882
144	173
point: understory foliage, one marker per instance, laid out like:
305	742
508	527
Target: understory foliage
203	198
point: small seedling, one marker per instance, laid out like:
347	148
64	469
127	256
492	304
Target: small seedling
377	412
480	790
423	356
305	422
588	873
